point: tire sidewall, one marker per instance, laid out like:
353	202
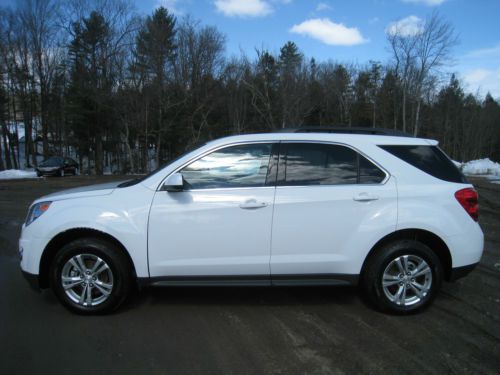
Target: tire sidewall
106	252
391	252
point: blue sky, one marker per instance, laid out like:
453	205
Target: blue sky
350	31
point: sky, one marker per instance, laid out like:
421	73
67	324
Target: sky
351	31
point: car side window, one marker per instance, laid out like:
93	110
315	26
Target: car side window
369	173
323	164
230	167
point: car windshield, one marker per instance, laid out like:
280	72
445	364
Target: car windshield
52	162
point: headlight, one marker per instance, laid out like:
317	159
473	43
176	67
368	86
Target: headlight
36	211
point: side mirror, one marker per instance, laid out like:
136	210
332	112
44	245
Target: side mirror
173	183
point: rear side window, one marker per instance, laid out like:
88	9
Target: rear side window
323	164
429	159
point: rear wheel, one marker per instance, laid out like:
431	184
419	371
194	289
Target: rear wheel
402	277
91	276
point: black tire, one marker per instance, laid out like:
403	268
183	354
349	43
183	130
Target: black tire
113	256
378	262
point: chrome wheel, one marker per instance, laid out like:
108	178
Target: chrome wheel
407	280
87	279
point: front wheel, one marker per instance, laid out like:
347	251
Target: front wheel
90	276
402	277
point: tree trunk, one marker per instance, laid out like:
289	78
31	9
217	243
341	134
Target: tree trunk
417	118
28	132
374	115
404	109
129	150
6	150
13	151
2	166
98	155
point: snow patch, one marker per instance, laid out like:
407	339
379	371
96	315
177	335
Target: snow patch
483	167
11	174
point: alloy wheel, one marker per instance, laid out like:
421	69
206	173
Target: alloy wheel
87	280
407	280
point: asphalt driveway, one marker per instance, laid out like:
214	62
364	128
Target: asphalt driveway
246	330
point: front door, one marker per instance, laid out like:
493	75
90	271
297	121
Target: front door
220	224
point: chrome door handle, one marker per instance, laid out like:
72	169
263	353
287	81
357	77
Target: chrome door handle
253	205
365	197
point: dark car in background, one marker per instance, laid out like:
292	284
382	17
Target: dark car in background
57	166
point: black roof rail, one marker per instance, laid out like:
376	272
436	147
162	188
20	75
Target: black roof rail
346	130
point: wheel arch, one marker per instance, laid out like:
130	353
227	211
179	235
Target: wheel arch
67	236
433	241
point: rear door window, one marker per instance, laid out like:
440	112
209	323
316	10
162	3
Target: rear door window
323	164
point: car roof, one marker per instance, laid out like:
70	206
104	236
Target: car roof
326	137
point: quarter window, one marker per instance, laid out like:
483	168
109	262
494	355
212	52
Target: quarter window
323	164
231	167
369	173
429	159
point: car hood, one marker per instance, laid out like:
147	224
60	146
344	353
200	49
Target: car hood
81	192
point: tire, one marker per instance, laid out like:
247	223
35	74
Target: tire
389	291
108	288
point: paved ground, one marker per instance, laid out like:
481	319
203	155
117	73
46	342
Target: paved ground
246	331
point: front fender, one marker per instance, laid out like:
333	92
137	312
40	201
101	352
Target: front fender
122	215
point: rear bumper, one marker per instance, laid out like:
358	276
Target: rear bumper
32	280
459	272
48	173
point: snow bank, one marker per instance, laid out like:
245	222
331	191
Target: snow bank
481	167
11	174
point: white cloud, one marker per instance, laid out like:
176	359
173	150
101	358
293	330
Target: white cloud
243	8
484	80
408	26
321	7
476	76
171	5
485	52
334	34
430	3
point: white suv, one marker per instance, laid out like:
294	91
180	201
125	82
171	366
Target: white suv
391	213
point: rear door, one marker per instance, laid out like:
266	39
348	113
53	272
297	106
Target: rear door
330	202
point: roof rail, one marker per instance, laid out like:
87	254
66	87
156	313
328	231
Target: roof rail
346	130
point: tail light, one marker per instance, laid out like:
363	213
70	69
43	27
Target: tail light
468	198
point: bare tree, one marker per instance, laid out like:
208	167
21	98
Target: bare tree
432	50
38	18
403	47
